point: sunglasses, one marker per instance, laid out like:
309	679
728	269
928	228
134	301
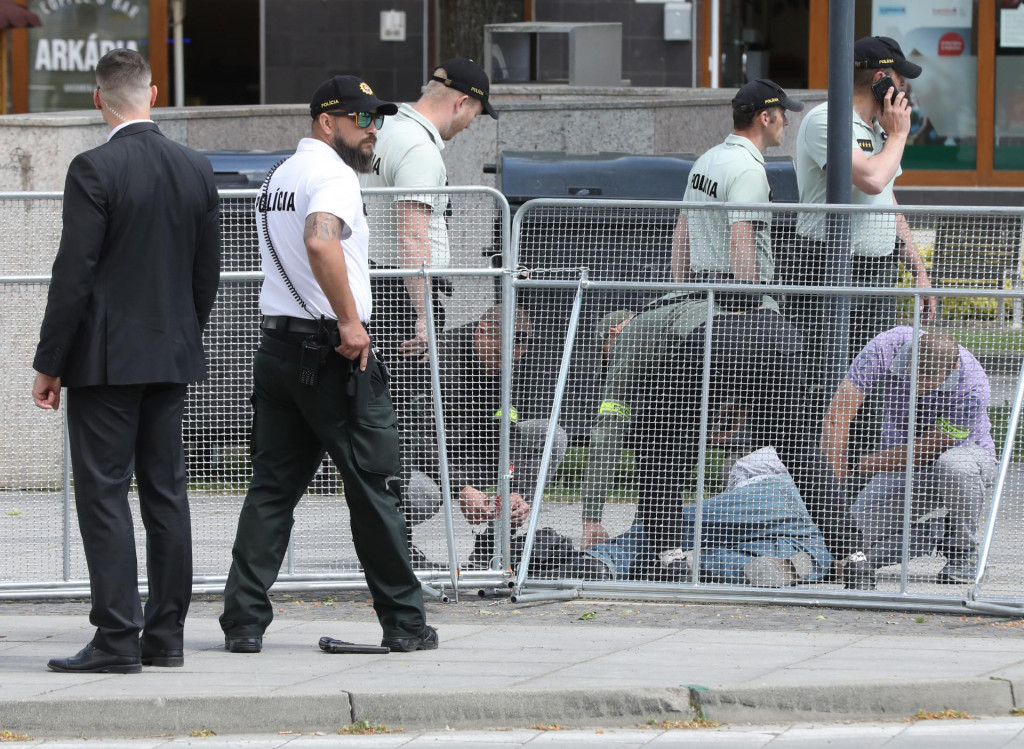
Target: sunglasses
363	119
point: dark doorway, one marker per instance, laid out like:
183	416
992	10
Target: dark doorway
222	52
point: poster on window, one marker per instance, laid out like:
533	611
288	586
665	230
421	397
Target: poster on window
62	54
935	34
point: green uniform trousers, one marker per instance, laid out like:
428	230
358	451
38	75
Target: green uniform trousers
294	425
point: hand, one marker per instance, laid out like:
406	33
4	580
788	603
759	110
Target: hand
476	506
895	117
46	392
417	345
835	454
355	343
519	509
593	533
929	304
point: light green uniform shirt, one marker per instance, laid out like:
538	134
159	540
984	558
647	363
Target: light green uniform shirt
870	234
731	172
641	351
407	154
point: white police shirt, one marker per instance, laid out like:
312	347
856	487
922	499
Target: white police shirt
870	234
407	154
314	180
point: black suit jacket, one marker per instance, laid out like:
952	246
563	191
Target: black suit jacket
138	266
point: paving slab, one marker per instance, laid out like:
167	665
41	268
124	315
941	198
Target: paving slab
506	672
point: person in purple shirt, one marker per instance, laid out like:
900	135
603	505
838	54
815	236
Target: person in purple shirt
954	456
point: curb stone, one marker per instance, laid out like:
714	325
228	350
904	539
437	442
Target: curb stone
512	708
515	708
857	701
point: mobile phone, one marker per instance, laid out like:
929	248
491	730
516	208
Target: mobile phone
881	86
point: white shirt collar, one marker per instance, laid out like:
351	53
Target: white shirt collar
744	142
122	126
407	110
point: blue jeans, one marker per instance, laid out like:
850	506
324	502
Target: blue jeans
764	518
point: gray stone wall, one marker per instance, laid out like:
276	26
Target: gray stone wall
35	149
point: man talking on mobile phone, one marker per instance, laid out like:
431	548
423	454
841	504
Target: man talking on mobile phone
879	242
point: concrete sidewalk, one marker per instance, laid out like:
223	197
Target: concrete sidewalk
497	674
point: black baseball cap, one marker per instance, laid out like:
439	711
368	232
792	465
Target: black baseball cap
873	52
347	93
762	93
466	76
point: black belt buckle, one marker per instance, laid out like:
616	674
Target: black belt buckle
309	362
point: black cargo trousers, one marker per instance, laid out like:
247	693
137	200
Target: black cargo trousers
293	426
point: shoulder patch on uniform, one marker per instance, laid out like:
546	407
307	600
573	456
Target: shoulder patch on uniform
865	145
614	408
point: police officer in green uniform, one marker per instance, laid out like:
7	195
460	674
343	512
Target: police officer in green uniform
317	388
652	391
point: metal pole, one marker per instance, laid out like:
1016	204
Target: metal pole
715	53
702	449
694	23
508	316
66	478
556	408
263	51
426	41
442	440
839	181
908	487
1000	485
178	20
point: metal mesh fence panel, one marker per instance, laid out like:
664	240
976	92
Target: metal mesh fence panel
723	435
464	231
668	403
46	549
31	462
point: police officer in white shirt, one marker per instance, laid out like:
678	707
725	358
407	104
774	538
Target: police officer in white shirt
317	387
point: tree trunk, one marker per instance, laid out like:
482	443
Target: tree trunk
462	24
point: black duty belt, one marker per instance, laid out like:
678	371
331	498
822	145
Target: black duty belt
711	276
875	261
298	325
284	324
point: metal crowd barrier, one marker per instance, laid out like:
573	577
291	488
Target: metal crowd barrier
551	277
974	258
37	517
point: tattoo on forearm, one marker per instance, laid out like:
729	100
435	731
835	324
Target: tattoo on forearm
322	226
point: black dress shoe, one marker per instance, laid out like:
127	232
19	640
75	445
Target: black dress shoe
243	644
158	657
425	640
858	572
92	660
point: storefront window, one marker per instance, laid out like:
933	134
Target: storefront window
941	37
63	53
1009	100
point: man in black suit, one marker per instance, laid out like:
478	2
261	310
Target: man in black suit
132	288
